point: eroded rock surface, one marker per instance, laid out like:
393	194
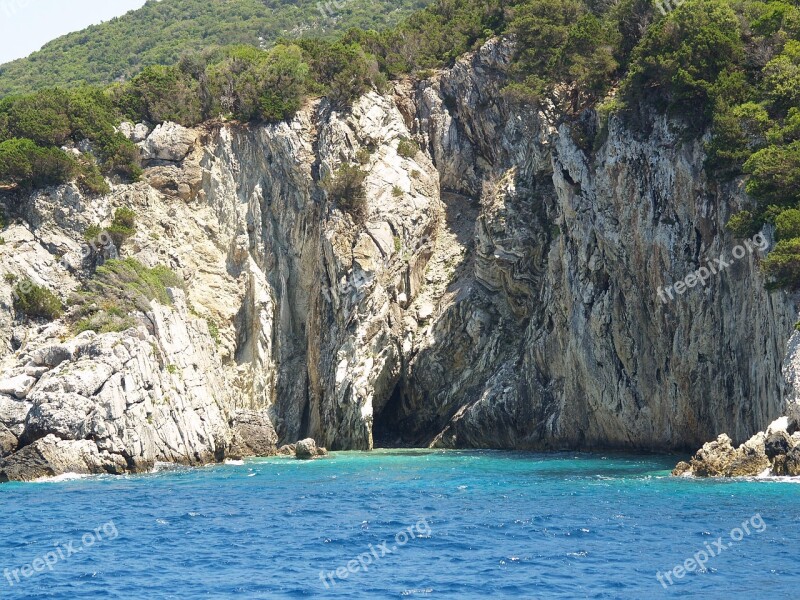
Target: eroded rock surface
551	332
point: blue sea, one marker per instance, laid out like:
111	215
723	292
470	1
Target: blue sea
396	524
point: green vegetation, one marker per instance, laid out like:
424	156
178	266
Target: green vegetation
560	42
783	264
130	282
122	226
787	224
36	301
24	163
105	318
346	188
407	148
688	58
248	84
213	331
182	64
731	67
363	156
161	33
34	127
118	291
202	81
735	65
160	94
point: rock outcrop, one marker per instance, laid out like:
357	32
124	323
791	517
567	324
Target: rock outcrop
774	452
253	435
302	303
127	400
502	291
307	449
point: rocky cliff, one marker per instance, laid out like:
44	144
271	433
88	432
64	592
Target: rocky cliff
502	291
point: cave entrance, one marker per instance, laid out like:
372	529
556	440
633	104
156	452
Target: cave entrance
387	431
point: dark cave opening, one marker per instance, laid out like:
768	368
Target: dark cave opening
387	431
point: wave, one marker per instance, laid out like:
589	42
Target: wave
63	477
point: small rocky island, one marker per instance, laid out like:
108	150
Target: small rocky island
775	451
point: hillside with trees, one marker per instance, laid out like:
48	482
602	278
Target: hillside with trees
729	67
160	32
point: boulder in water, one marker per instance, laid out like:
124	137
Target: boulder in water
307	449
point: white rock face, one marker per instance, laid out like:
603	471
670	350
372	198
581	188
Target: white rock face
18	385
139	397
292	286
136	133
168	141
503	292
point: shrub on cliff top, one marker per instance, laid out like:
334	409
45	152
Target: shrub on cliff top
684	55
26	164
787	224
782	266
33	128
159	94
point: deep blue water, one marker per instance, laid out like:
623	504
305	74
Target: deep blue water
474	525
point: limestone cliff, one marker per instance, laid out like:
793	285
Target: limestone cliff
554	334
502	291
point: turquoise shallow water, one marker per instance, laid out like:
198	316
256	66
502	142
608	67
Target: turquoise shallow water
455	525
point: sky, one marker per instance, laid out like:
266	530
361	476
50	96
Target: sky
26	25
